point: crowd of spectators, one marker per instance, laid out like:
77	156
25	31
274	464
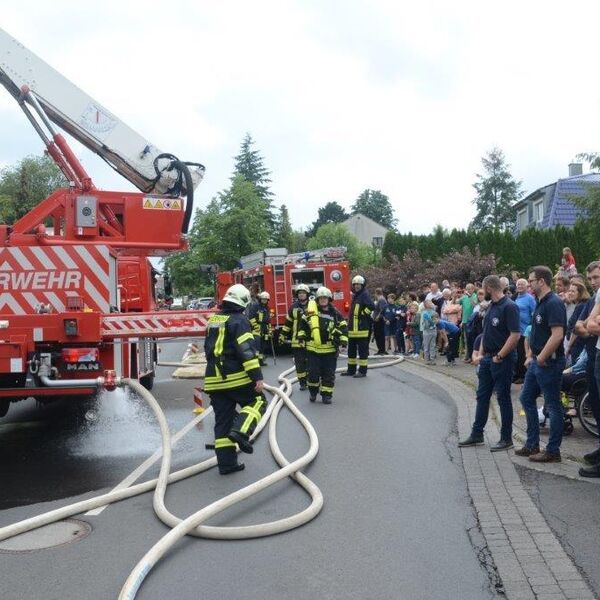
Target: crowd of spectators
447	319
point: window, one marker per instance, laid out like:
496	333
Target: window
538	212
378	242
522	219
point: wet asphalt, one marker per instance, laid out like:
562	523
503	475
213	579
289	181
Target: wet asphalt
395	522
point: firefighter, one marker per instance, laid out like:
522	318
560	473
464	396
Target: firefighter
260	319
323	330
291	329
233	376
359	330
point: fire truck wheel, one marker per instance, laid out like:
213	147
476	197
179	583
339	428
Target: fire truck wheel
148	380
4	405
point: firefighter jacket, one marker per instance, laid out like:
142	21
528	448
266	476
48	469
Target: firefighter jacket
360	320
231	356
260	320
323	329
292	322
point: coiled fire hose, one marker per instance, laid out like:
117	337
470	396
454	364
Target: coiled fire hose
193	524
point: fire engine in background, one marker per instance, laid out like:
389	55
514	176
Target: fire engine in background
276	271
76	285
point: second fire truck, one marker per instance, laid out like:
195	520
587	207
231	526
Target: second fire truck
276	271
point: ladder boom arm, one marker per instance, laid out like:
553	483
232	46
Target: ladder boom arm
29	79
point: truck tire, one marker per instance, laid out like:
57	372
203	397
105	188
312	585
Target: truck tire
4	406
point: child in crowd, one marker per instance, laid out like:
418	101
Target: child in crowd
390	323
401	319
429	320
415	329
567	264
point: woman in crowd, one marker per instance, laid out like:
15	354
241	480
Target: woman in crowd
578	296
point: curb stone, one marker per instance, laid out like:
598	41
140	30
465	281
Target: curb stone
529	559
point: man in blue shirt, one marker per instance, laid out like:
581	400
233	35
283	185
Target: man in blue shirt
453	333
545	363
526	303
501	332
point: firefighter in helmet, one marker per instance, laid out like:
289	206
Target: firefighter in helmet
323	330
259	316
291	329
359	329
233	376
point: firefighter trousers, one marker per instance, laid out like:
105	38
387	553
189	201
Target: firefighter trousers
228	419
301	363
360	347
321	373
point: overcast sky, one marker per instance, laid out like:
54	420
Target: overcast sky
405	97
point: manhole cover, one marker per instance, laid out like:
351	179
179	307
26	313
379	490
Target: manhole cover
49	536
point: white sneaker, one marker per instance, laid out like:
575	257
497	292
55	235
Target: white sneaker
414	356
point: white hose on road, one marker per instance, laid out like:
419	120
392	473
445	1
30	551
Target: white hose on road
193	524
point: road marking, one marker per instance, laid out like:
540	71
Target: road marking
130	479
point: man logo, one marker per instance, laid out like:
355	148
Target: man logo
538	319
495	321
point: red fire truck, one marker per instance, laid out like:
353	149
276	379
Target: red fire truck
276	271
76	284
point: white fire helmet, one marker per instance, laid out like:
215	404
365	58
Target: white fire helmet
324	292
358	279
302	287
237	294
264	296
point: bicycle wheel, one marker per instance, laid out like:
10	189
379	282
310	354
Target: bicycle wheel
586	417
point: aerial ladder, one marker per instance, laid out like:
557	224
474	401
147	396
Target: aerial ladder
62	315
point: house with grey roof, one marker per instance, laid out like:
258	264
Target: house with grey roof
366	230
552	204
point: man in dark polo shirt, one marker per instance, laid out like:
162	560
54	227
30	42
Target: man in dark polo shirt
501	332
587	328
545	363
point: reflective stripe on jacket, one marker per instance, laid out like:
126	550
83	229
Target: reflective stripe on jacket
360	320
231	356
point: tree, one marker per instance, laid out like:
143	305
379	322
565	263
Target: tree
332	212
297	241
283	237
231	226
249	164
26	184
375	205
497	193
590	203
334	234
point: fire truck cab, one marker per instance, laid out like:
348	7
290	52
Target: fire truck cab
276	271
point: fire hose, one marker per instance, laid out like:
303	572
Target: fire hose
193	525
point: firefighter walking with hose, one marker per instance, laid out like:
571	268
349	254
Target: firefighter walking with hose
233	377
359	329
291	329
323	330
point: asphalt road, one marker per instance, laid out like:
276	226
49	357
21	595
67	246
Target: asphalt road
395	522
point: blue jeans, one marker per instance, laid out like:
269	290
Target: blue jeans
494	376
546	381
417	343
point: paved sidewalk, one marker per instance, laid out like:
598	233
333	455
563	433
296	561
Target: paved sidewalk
574	446
528	561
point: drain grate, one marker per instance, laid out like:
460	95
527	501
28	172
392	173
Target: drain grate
50	536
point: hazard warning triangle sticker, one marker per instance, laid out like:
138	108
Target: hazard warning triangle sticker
148	203
176	205
158	204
